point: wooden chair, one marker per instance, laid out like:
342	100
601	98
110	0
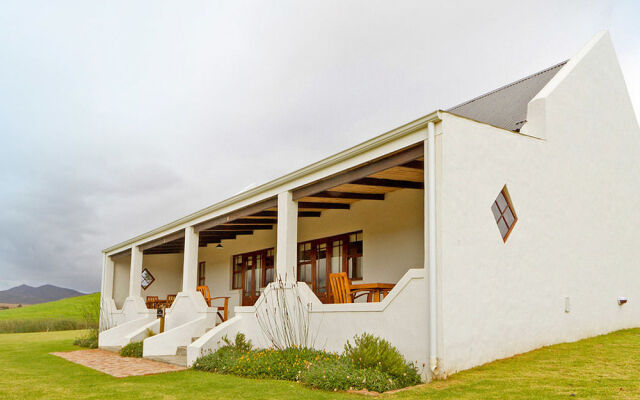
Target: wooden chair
170	299
152	301
341	288
207	297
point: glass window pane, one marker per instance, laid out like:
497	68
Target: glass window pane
503	227
508	216
259	264
495	210
336	256
502	202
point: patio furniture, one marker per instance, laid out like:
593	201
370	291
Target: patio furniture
207	297
342	288
170	299
375	290
152	301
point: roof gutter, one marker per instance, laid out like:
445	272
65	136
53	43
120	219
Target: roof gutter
260	190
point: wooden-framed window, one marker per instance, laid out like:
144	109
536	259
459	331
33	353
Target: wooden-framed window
504	213
146	279
269	269
236	280
354	256
251	272
201	272
319	258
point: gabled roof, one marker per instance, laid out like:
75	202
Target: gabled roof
506	107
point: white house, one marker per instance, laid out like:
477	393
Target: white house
506	223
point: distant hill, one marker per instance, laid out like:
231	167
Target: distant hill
73	308
25	294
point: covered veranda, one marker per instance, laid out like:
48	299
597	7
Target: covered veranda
362	216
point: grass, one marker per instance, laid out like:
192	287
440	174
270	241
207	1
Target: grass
604	367
62	314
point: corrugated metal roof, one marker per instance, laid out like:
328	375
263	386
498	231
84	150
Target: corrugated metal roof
506	107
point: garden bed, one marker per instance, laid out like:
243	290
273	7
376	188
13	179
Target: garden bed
371	364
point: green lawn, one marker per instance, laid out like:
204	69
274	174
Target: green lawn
605	367
71	308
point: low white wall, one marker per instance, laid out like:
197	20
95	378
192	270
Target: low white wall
401	318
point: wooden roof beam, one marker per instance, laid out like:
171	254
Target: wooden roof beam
329	206
345	195
388	183
393	160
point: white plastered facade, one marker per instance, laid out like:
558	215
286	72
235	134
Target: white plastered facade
573	180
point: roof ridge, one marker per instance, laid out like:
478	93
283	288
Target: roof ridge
509	85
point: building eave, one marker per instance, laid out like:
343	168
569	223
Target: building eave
363	147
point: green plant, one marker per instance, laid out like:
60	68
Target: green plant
371	351
343	374
133	349
240	343
88	340
285	364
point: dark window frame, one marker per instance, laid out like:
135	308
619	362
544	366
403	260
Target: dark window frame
501	213
346	256
202	265
153	279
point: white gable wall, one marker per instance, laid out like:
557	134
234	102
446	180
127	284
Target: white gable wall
577	197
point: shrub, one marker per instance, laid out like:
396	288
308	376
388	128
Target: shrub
373	352
40	325
343	374
89	340
371	363
285	364
240	343
133	349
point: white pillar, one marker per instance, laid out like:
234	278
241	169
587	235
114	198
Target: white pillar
286	259
135	273
107	278
190	266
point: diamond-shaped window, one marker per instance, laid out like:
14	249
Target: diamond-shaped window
504	213
147	279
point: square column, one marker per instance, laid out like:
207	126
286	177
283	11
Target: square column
107	278
135	273
286	259
190	266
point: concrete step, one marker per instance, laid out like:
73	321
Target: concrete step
182	351
113	349
175	360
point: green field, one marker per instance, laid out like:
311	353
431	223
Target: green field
62	314
604	367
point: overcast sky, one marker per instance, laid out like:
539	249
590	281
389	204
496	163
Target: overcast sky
120	116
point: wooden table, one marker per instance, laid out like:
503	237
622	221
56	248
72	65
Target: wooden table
374	289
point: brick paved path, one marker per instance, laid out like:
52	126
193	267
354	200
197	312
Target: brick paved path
114	365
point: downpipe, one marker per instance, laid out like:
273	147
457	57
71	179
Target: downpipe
431	211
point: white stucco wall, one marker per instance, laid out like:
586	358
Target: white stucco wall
576	197
121	268
167	271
